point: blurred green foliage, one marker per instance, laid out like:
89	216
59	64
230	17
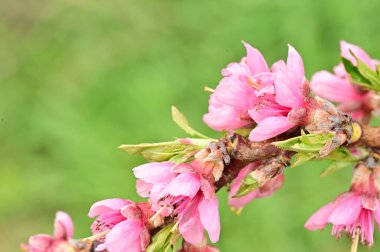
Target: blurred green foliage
79	78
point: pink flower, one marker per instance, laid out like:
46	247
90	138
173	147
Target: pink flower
126	223
352	211
338	87
184	191
59	242
283	103
274	98
234	96
263	191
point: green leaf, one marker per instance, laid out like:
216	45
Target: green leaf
248	185
244	131
336	166
305	142
354	72
303	157
161	241
159	151
367	72
182	122
362	74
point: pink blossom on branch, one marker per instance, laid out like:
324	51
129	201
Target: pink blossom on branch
338	86
125	223
353	211
184	191
59	242
276	99
263	191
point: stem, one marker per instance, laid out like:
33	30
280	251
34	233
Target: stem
95	237
355	240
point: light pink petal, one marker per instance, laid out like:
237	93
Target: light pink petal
278	66
40	242
209	215
260	114
191	229
289	90
289	82
295	63
255	60
125	236
158	191
63	226
143	189
236	92
345	49
185	184
155	172
225	117
377	217
237	69
269	128
207	188
235	185
320	218
107	205
346	211
271	186
340	71
333	88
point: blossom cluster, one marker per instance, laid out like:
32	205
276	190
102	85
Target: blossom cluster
269	102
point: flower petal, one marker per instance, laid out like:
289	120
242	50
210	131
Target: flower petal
333	88
125	236
107	205
255	60
346	211
185	184
63	226
289	82
40	242
190	228
377	217
155	172
143	189
320	218
209	215
270	127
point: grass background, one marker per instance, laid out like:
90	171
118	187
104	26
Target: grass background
79	78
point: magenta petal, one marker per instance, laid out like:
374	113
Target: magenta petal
155	172
255	60
63	226
320	218
270	127
346	211
333	88
191	229
125	236
106	205
185	184
209	215
40	242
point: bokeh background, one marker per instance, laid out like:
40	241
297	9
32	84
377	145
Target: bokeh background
79	78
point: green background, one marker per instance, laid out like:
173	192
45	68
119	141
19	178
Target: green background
79	78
